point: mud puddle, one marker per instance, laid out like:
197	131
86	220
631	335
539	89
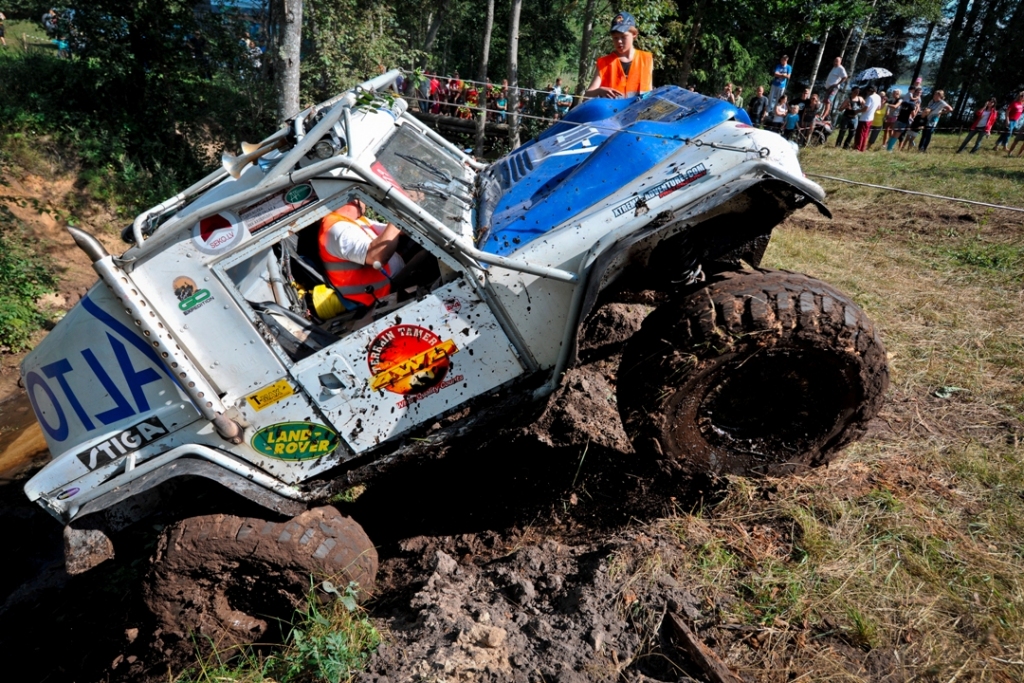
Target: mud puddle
22	445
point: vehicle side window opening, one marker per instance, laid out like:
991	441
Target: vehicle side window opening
287	286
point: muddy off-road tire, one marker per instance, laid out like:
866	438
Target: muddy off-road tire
757	373
225	577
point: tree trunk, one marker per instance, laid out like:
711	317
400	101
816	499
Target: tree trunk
952	51
846	42
588	31
691	45
860	42
435	25
513	73
481	76
920	57
817	60
286	69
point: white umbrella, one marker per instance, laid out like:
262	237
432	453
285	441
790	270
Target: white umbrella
873	74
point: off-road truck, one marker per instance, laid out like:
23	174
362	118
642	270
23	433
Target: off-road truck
214	347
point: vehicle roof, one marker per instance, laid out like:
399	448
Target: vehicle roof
599	147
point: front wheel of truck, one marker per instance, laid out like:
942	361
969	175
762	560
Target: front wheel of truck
223	579
757	373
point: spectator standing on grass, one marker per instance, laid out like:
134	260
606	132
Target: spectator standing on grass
835	79
809	116
780	78
916	126
849	110
625	71
758	108
3	40
933	112
792	121
878	121
779	113
984	119
1013	119
906	113
892	112
738	94
49	22
867	114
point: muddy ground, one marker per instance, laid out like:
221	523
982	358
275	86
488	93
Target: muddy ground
514	559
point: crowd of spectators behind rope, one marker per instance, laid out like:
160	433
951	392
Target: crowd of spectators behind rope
860	116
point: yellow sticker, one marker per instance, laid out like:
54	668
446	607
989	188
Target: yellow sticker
267	396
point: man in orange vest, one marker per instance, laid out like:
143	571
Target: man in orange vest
625	72
359	255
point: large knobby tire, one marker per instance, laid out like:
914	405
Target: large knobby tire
224	578
757	373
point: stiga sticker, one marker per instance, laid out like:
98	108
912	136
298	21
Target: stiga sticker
295	441
267	396
218	233
410	360
123	443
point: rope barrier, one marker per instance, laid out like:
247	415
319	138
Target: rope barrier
920	194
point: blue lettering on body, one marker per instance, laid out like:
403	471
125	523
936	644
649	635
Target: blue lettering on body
135	379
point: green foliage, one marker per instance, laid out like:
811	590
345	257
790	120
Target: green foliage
24	277
330	642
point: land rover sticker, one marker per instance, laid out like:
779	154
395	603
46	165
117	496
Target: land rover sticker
410	360
295	441
131	439
217	233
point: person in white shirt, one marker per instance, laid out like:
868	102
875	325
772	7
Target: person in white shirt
835	79
867	114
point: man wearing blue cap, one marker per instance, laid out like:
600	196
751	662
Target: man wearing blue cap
626	71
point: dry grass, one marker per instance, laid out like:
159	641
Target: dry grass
904	559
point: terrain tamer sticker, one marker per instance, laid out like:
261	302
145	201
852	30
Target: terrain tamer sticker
410	360
295	440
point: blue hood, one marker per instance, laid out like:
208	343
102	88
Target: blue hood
599	147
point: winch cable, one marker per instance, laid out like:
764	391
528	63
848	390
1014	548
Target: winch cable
919	194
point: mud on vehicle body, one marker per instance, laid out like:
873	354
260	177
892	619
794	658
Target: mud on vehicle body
207	350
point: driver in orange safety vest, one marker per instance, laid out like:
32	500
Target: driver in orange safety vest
350	245
627	71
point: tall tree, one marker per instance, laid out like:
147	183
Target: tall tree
584	63
817	60
286	57
513	73
924	51
481	76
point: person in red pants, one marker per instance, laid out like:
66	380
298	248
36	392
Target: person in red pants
867	114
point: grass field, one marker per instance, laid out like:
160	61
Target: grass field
904	559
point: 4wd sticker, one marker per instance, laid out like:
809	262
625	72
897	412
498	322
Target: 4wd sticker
217	233
295	441
190	299
411	361
676	182
263	213
131	439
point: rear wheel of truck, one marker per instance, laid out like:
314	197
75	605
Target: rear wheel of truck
223	579
757	373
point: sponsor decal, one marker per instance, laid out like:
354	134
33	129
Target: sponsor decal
105	363
658	110
663	189
119	445
410	360
190	297
266	211
217	234
295	441
278	391
67	493
452	305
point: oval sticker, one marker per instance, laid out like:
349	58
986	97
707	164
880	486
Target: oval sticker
295	441
298	194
